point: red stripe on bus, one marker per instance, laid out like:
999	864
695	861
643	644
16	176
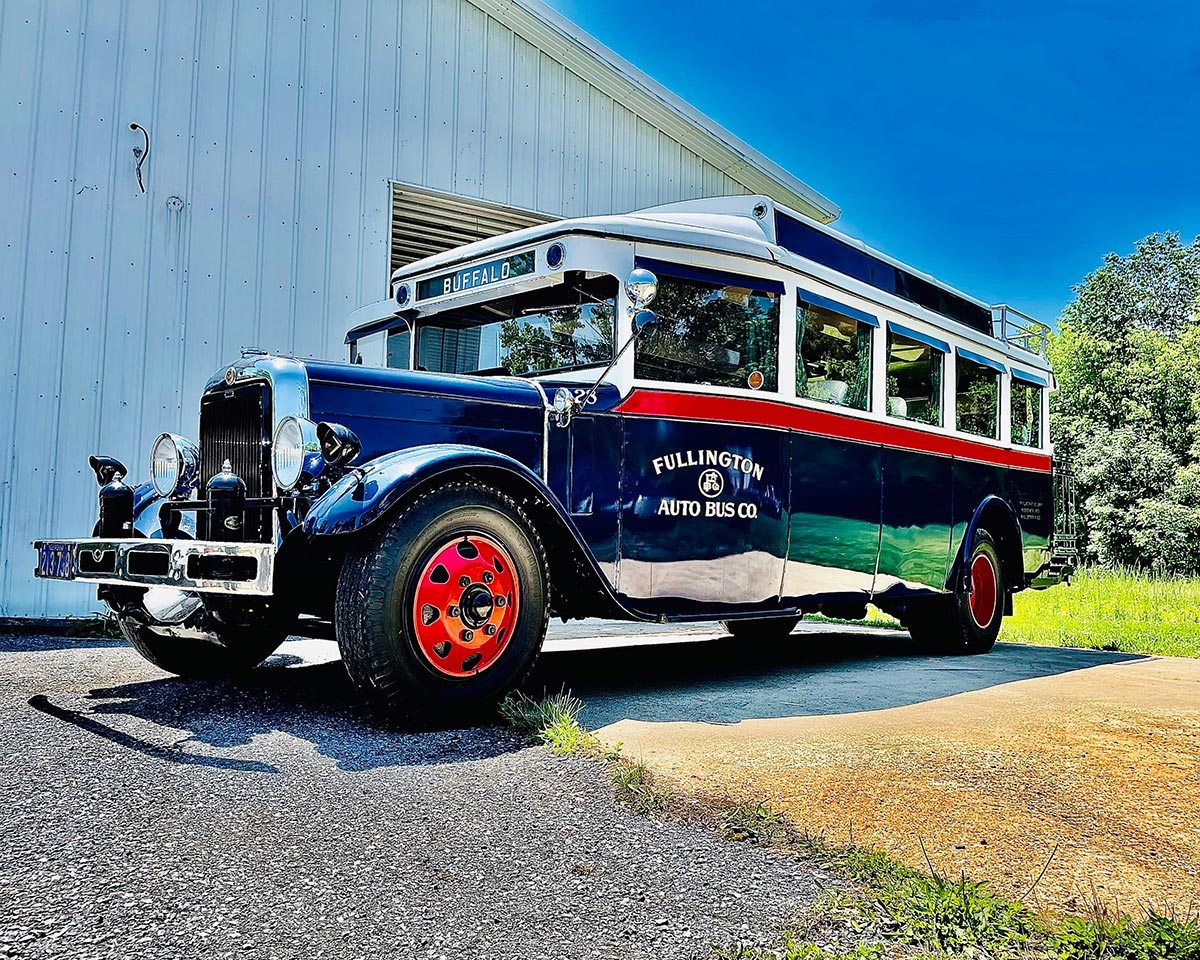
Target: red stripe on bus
766	413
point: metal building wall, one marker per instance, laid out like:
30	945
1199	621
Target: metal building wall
275	128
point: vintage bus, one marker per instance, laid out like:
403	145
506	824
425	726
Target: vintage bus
717	409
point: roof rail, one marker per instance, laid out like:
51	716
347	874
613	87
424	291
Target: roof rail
1019	329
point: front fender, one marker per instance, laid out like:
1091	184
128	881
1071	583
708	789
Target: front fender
360	499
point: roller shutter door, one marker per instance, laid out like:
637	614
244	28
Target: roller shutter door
425	222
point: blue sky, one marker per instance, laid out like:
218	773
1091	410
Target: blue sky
1003	147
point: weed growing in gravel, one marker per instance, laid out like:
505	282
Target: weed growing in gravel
794	949
554	721
634	785
751	821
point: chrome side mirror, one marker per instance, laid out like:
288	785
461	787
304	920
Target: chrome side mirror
567	403
643	322
641	287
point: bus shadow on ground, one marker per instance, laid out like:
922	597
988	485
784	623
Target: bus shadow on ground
214	723
726	680
720	681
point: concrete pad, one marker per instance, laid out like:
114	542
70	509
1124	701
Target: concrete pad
992	761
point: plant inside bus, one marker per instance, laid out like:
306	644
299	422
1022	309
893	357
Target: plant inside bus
833	357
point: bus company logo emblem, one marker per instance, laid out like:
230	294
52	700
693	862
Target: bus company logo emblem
233	523
712	484
755	380
230	376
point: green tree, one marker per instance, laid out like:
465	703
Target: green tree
1127	411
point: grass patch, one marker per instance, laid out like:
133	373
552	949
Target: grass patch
756	822
1121	610
961	917
634	785
554	721
94	628
874	618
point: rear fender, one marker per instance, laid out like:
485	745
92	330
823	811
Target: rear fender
997	517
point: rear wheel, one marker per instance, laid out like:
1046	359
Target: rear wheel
445	612
761	628
969	621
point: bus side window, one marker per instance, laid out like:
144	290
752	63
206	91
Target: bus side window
1026	406
977	397
914	375
833	353
714	334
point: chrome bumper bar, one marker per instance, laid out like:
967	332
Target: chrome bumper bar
204	566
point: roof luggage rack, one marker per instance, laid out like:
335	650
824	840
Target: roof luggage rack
1019	329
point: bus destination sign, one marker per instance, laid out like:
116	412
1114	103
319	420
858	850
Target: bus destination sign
479	275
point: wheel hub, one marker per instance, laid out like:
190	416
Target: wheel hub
983	590
477	604
465	605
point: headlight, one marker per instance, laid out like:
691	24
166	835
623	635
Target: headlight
295	453
174	463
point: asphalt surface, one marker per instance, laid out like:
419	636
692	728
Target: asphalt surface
143	815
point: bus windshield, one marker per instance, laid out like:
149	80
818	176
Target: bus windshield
565	326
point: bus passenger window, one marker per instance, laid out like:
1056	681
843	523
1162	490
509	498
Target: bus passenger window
833	357
977	398
1026	414
714	335
914	380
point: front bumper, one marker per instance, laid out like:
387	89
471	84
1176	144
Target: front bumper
204	566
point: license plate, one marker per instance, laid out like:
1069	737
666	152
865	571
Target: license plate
54	561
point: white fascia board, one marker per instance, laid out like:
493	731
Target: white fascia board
589	59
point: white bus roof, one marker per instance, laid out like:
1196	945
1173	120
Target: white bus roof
749	226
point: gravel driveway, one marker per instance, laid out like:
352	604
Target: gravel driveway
148	816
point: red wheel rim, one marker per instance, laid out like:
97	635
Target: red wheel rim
465	606
983	590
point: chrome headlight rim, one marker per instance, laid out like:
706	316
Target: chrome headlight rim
174	464
296	457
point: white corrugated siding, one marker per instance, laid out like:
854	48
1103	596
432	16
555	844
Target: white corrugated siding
279	125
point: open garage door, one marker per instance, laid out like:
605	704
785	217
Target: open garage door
425	222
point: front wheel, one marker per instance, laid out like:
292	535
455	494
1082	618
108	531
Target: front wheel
969	621
446	611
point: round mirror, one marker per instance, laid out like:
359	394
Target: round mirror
641	286
643	320
562	400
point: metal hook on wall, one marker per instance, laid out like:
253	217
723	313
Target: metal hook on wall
140	154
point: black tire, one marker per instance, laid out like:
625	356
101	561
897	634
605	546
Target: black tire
761	628
376	608
952	625
227	652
